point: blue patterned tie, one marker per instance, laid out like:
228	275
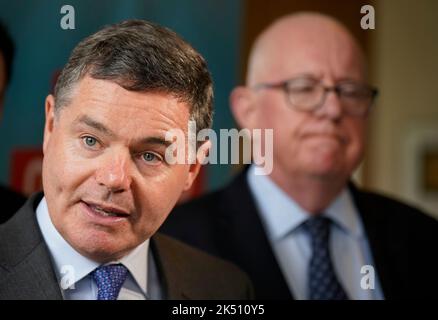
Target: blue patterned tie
109	280
322	281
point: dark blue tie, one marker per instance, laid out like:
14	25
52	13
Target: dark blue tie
322	281
109	280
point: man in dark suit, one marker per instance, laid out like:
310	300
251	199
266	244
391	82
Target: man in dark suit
108	184
10	199
303	230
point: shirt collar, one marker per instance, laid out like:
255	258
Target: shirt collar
136	263
65	258
344	214
281	215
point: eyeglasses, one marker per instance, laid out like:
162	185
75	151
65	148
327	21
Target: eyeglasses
308	94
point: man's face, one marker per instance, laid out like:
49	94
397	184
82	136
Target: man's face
326	143
107	186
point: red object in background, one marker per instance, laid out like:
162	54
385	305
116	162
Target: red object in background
26	170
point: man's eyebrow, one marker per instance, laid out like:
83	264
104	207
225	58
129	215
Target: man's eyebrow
102	128
95	124
156	140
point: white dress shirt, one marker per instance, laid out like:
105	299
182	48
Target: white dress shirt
73	269
282	219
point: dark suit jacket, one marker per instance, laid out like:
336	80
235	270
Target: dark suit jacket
185	273
11	201
403	241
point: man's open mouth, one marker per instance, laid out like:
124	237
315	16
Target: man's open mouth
107	211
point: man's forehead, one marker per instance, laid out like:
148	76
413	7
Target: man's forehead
304	26
105	94
102	104
304	43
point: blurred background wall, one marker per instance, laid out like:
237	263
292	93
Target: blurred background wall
402	153
403	146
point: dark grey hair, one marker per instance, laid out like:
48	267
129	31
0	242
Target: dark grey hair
141	56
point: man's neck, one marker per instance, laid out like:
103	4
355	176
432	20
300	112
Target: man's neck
313	193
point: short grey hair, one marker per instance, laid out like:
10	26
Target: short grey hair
141	56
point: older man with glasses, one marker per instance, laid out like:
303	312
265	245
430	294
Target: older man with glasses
305	231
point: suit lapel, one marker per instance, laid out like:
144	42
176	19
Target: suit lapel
31	279
171	277
377	228
248	244
24	257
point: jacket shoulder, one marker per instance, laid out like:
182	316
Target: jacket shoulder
392	207
210	202
199	218
207	276
397	218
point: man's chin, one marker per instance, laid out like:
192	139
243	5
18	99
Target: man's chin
103	255
325	170
100	246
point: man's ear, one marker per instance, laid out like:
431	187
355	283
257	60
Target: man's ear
50	120
201	154
243	107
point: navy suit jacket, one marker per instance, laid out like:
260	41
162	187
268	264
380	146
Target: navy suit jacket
403	240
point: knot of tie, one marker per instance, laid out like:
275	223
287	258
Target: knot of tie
319	229
109	280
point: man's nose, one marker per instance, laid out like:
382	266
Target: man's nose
115	173
331	105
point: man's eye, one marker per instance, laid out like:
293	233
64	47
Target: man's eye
89	141
150	157
352	92
303	88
